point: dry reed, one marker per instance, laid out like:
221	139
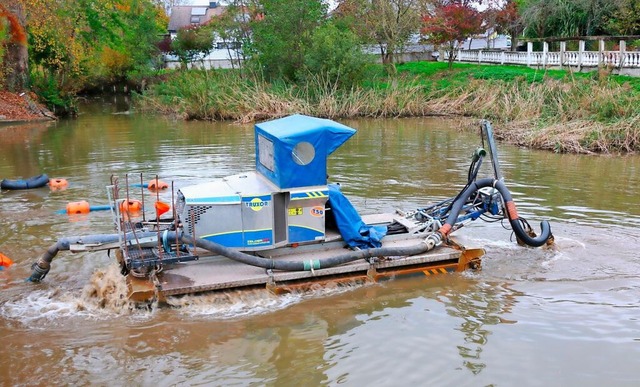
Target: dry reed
572	115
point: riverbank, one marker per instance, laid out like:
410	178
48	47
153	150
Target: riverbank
16	108
555	110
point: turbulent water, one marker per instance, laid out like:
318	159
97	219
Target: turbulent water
565	315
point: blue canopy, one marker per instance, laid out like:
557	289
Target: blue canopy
292	151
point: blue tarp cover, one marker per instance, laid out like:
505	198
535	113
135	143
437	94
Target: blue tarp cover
353	230
284	134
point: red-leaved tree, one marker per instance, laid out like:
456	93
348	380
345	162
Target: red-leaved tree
508	21
449	24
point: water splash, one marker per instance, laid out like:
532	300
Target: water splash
103	297
239	303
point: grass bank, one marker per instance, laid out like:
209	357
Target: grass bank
554	110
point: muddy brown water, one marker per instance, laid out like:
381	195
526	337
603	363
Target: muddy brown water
535	317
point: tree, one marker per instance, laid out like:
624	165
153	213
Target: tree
562	18
13	55
508	21
336	56
76	44
233	27
280	39
449	24
387	23
191	42
166	5
626	20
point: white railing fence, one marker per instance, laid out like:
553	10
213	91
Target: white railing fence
621	60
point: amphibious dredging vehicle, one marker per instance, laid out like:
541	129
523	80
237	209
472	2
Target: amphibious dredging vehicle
284	225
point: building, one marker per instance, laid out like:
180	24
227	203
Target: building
187	16
223	54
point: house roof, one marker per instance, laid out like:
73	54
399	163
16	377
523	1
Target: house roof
181	16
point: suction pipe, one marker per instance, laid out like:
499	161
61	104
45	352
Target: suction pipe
41	267
512	213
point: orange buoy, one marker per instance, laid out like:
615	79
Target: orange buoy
55	184
131	206
5	261
81	207
161	208
157	185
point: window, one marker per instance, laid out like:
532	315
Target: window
198	11
229	45
303	153
265	150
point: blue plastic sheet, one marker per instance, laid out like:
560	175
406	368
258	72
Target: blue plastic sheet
351	226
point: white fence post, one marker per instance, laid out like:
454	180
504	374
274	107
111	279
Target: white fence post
601	61
580	54
623	50
545	51
563	49
529	51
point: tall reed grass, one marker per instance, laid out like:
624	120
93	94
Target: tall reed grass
554	110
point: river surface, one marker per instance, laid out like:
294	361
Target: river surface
564	316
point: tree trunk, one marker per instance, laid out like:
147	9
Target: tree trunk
16	57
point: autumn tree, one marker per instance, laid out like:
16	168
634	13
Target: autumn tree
449	23
13	47
508	21
78	44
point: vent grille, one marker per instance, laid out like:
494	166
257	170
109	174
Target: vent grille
194	215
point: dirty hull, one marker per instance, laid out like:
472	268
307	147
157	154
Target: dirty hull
217	273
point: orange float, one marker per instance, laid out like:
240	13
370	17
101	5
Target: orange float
81	207
5	261
55	184
131	206
161	208
157	185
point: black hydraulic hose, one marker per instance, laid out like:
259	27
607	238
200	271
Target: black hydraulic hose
41	267
216	248
476	163
512	213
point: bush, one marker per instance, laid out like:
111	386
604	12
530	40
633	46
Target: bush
334	55
45	86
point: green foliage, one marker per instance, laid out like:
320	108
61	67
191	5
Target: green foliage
626	21
4	37
281	39
46	87
108	41
561	18
192	42
336	55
